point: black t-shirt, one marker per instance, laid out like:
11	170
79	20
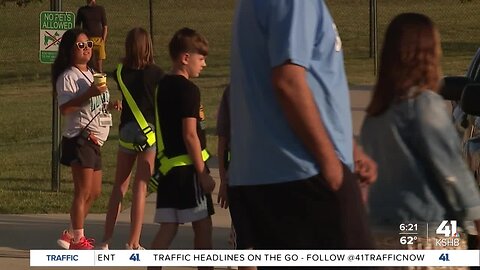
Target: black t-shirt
92	19
178	98
141	83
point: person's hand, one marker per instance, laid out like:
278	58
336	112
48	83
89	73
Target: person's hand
222	198
366	169
206	182
333	174
116	105
96	90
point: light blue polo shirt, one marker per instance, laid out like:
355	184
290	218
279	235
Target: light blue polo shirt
266	34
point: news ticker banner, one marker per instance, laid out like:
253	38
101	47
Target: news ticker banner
219	258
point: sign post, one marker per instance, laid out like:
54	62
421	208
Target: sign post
52	26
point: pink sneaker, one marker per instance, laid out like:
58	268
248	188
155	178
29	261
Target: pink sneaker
65	239
84	243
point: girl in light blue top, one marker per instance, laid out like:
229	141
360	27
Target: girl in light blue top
422	177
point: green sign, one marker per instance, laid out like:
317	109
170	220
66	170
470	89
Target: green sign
52	26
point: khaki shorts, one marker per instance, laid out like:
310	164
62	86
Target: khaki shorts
99	48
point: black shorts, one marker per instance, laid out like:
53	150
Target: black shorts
80	151
303	214
180	198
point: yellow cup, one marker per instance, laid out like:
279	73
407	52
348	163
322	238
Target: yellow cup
100	78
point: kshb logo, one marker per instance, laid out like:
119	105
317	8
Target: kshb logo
448	229
445	229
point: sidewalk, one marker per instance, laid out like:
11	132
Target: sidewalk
359	100
20	233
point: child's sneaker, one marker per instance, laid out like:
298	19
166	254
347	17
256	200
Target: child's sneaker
65	239
127	246
84	243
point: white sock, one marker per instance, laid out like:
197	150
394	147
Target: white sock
77	235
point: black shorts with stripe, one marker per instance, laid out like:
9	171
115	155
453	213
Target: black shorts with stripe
180	198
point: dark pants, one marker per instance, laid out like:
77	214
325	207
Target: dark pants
303	214
472	243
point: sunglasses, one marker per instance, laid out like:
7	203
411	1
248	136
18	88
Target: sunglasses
86	44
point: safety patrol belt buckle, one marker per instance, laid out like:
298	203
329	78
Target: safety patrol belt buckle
147	130
140	142
139	147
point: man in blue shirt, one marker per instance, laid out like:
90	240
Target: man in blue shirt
292	146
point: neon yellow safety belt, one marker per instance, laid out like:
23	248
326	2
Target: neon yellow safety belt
147	130
166	164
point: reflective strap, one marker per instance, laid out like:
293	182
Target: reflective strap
150	135
147	130
126	145
153	183
132	146
166	164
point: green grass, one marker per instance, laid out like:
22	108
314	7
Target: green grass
25	94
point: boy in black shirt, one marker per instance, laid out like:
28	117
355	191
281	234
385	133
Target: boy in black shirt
184	192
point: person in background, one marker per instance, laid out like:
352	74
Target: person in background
87	124
140	77
184	192
422	177
93	19
223	132
293	153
